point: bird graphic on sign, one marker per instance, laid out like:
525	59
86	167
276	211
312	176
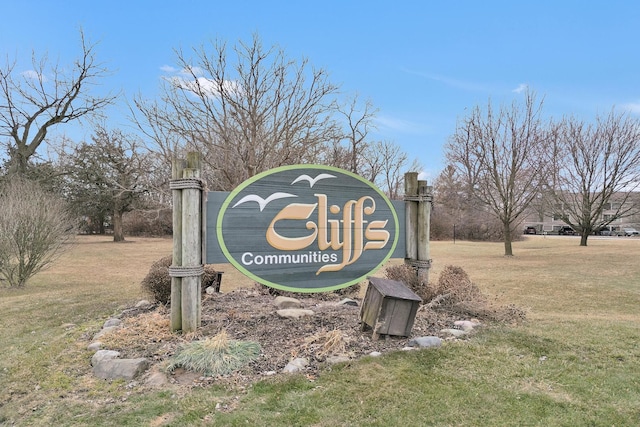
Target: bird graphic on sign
312	180
262	202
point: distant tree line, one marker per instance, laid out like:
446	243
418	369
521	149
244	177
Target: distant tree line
505	161
247	109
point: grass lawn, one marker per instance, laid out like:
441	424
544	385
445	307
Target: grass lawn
574	362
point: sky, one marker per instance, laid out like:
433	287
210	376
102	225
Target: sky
423	64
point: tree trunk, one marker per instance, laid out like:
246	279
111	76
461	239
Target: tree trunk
18	164
508	249
101	230
118	232
583	239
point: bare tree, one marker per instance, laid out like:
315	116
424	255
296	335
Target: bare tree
359	122
497	154
33	102
456	213
593	165
34	228
385	163
263	111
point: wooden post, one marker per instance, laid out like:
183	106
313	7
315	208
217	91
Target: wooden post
418	223
191	247
189	231
177	166
411	212
424	226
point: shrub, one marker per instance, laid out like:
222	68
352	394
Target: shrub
34	227
455	293
406	274
152	223
157	282
455	284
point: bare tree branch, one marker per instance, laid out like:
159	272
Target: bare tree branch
260	112
497	153
33	102
593	165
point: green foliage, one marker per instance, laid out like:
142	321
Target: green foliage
34	228
106	179
214	356
157	283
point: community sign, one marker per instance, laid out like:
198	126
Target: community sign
307	228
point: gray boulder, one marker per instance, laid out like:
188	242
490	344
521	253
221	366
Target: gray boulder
126	369
425	342
286	302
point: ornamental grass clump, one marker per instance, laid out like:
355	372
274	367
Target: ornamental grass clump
214	356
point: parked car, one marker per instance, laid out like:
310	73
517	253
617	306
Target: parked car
566	231
628	231
530	230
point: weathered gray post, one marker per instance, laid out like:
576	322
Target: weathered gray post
418	223
424	225
411	212
177	166
188	266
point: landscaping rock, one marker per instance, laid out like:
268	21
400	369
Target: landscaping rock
294	313
348	301
466	325
286	302
126	369
112	322
105	331
454	332
95	346
425	342
101	355
296	365
332	360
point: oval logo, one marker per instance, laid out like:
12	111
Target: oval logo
307	228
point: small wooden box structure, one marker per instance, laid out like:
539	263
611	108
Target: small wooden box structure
389	308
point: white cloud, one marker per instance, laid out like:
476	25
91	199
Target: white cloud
168	69
203	85
452	82
192	71
401	125
632	107
33	75
521	88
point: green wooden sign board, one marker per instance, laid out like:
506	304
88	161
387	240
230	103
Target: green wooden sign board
303	228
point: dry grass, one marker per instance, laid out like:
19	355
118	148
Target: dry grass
154	324
583	315
326	343
552	276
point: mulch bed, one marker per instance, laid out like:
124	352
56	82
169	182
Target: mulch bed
250	315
